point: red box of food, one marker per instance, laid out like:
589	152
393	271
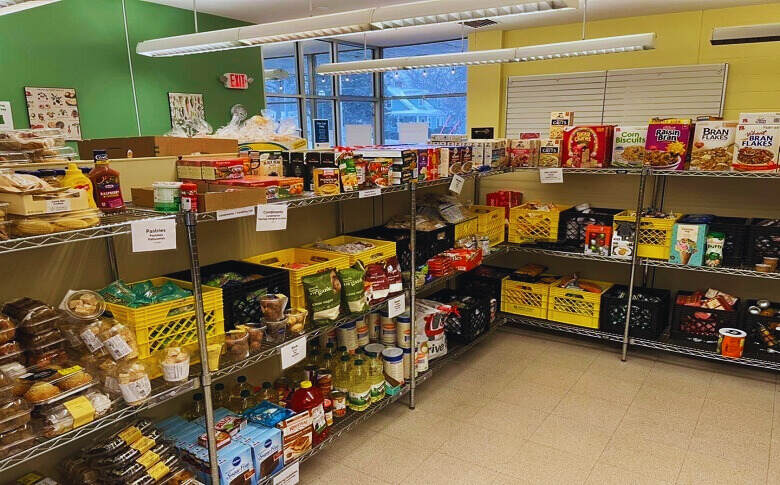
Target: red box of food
504	198
587	146
221	168
464	259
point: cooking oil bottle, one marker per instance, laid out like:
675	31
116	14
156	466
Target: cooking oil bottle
376	376
341	375
359	387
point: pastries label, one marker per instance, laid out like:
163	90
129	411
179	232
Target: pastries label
136	390
174	372
57	205
158	471
81	410
117	347
91	341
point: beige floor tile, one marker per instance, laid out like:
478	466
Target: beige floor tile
347	444
420	427
730	446
569	357
549	374
383	457
742	391
668	401
336	473
483	447
591	410
701	469
448	402
441	469
718	417
680	378
600	385
572	436
505	417
648	458
532	395
658	426
633	369
539	464
773	473
493	359
603	474
390	414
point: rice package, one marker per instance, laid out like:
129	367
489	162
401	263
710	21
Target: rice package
323	296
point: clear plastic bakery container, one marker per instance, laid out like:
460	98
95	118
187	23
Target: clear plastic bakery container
14	414
28	311
36	340
83	304
50	223
51	384
16	440
59	419
5	230
15	156
7	329
48	353
54	155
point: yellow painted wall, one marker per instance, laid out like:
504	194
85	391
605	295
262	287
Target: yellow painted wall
683	38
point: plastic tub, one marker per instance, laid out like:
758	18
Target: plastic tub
35	341
256	336
46	354
237	344
14	414
83	304
276	331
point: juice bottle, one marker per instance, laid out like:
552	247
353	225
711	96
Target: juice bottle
267	393
376	376
359	388
341	375
308	397
75	179
105	186
221	396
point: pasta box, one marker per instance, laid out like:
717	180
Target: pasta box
587	146
667	144
756	148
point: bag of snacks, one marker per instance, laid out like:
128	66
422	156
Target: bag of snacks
376	280
394	276
354	289
323	295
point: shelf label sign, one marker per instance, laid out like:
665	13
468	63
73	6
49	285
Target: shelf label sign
293	352
225	214
288	476
457	184
551	175
57	205
154	235
271	217
396	306
370	193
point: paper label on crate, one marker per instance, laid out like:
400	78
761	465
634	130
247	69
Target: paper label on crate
57	205
154	235
551	175
293	352
288	476
370	193
396	306
271	217
225	214
457	184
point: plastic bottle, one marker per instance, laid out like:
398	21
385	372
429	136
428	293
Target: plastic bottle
376	376
197	410
241	385
105	186
75	179
221	397
267	393
308	397
242	402
341	375
327	362
359	388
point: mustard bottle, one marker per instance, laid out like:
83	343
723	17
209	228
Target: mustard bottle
75	179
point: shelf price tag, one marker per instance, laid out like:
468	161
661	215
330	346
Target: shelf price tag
396	306
293	352
154	235
551	175
370	193
457	184
271	217
288	476
225	214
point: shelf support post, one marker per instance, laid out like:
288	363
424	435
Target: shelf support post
412	289
634	259
112	261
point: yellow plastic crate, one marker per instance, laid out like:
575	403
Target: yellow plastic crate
318	261
576	307
528	225
380	252
528	299
490	222
171	323
466	228
655	234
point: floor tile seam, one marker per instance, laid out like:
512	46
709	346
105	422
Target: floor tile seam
690	442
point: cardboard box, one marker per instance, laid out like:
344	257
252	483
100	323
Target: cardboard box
156	146
756	148
211	197
266	446
296	435
51	203
524	152
628	146
550	153
587	146
759	118
667	144
559	121
188	170
222	168
688	244
713	145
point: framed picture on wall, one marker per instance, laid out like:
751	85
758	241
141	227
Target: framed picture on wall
54	108
185	107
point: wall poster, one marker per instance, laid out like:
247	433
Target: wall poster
185	107
54	108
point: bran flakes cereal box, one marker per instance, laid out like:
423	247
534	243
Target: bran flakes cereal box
756	148
713	145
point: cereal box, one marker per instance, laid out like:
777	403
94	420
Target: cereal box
525	152
756	148
587	146
559	121
759	118
628	146
666	146
550	153
713	145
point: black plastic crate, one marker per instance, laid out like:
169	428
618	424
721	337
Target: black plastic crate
736	231
472	318
763	331
764	238
428	243
572	223
240	298
484	281
649	311
701	324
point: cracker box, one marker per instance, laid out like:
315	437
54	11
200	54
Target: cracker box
688	244
628	146
759	118
559	121
550	153
667	144
587	146
713	145
524	152
296	435
756	148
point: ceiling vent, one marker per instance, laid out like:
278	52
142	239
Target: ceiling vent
478	24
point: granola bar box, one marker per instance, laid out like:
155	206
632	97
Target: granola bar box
587	146
667	144
628	146
756	148
713	145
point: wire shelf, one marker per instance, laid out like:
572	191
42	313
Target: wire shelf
547	251
714	174
438	282
724	270
514	320
470	175
588	171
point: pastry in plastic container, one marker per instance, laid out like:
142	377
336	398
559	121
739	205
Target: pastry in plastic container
175	364
133	381
237	343
74	412
51	384
13	414
127	455
16	440
113	337
120	440
32	316
50	223
33	341
7	329
83	304
11	352
256	335
47	354
131	468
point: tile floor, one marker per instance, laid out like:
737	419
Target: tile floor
531	408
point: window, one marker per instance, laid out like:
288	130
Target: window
315	53
283	109
355	84
436	96
279	70
357	113
321	109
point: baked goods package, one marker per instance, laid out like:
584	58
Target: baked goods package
175	364
713	145
111	337
323	295
667	143
49	384
756	148
83	304
133	380
587	146
628	146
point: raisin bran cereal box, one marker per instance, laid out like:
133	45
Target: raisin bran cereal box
667	143
756	148
628	146
587	146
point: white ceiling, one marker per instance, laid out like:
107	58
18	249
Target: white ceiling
263	11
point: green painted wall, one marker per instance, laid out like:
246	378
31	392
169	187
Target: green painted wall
81	44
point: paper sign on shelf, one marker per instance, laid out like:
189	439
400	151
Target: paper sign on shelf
293	352
225	214
57	205
457	184
154	235
370	193
288	476
551	175
271	217
396	306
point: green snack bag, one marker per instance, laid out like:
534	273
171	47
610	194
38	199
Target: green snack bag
353	288
713	257
323	296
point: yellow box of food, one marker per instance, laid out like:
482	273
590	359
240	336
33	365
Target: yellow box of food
490	222
326	181
534	222
49	203
374	252
655	233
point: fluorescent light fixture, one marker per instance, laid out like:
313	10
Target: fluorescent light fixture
560	50
745	34
12	6
355	21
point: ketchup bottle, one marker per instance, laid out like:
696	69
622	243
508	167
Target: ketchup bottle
307	398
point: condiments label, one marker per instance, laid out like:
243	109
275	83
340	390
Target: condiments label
148	459
81	410
143	444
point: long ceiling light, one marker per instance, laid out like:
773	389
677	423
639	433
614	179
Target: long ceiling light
12	6
577	48
744	34
365	20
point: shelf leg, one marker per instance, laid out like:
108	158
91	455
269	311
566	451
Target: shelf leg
112	261
476	189
412	290
634	260
190	223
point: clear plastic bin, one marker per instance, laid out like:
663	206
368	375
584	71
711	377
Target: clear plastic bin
14	414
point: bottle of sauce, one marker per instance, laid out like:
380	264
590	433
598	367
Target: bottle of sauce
105	183
197	408
306	398
75	179
221	396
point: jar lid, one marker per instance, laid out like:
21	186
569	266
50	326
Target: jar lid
305	384
167	185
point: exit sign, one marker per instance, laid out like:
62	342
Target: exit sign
236	80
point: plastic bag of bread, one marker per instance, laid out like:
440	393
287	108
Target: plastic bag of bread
51	223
